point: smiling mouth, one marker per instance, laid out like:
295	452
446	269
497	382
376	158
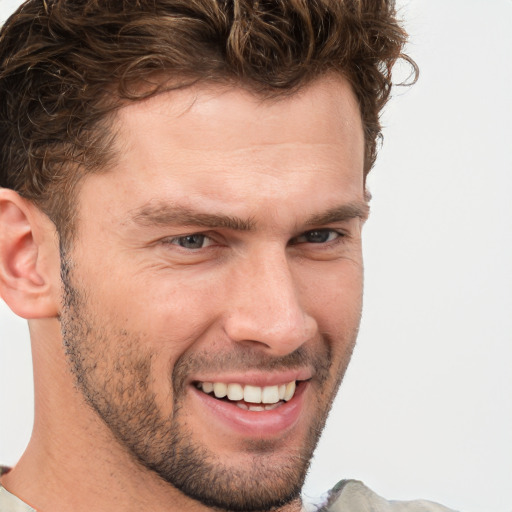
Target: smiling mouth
250	398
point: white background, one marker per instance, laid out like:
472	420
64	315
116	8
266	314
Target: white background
426	407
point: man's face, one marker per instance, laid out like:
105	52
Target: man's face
223	251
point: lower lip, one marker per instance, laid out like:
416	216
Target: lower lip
260	424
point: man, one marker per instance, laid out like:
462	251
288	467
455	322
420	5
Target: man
183	194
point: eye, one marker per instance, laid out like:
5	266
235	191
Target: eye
195	241
317	236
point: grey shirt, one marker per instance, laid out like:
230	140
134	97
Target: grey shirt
354	496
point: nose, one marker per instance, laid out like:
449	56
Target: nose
264	306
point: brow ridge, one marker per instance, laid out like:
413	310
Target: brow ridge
167	214
353	210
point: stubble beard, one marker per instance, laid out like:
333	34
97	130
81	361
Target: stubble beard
119	390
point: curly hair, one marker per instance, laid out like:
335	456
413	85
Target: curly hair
67	65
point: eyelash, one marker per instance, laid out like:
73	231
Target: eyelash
180	241
324	231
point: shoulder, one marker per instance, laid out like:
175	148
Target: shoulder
9	502
354	496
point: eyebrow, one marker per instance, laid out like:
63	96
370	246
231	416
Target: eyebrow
167	214
354	210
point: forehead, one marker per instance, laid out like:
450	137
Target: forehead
324	111
225	149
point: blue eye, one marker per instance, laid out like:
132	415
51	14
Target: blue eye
196	241
318	236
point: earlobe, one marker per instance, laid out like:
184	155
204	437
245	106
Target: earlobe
28	258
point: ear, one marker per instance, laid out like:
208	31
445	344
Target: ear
29	258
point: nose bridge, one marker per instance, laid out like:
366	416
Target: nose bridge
265	304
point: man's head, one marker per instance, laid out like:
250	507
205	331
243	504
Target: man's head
66	66
204	165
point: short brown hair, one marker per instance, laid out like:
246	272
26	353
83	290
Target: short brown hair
65	65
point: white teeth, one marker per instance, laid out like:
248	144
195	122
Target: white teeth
290	390
235	392
270	395
252	394
207	387
242	405
220	389
256	408
270	407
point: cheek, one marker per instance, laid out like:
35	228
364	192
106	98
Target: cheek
333	294
335	301
165	304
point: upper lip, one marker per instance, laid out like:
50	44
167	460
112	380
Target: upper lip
256	377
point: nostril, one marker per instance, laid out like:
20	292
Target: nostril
279	336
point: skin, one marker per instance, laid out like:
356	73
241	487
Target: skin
224	245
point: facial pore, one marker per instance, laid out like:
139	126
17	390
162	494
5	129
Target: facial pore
123	399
